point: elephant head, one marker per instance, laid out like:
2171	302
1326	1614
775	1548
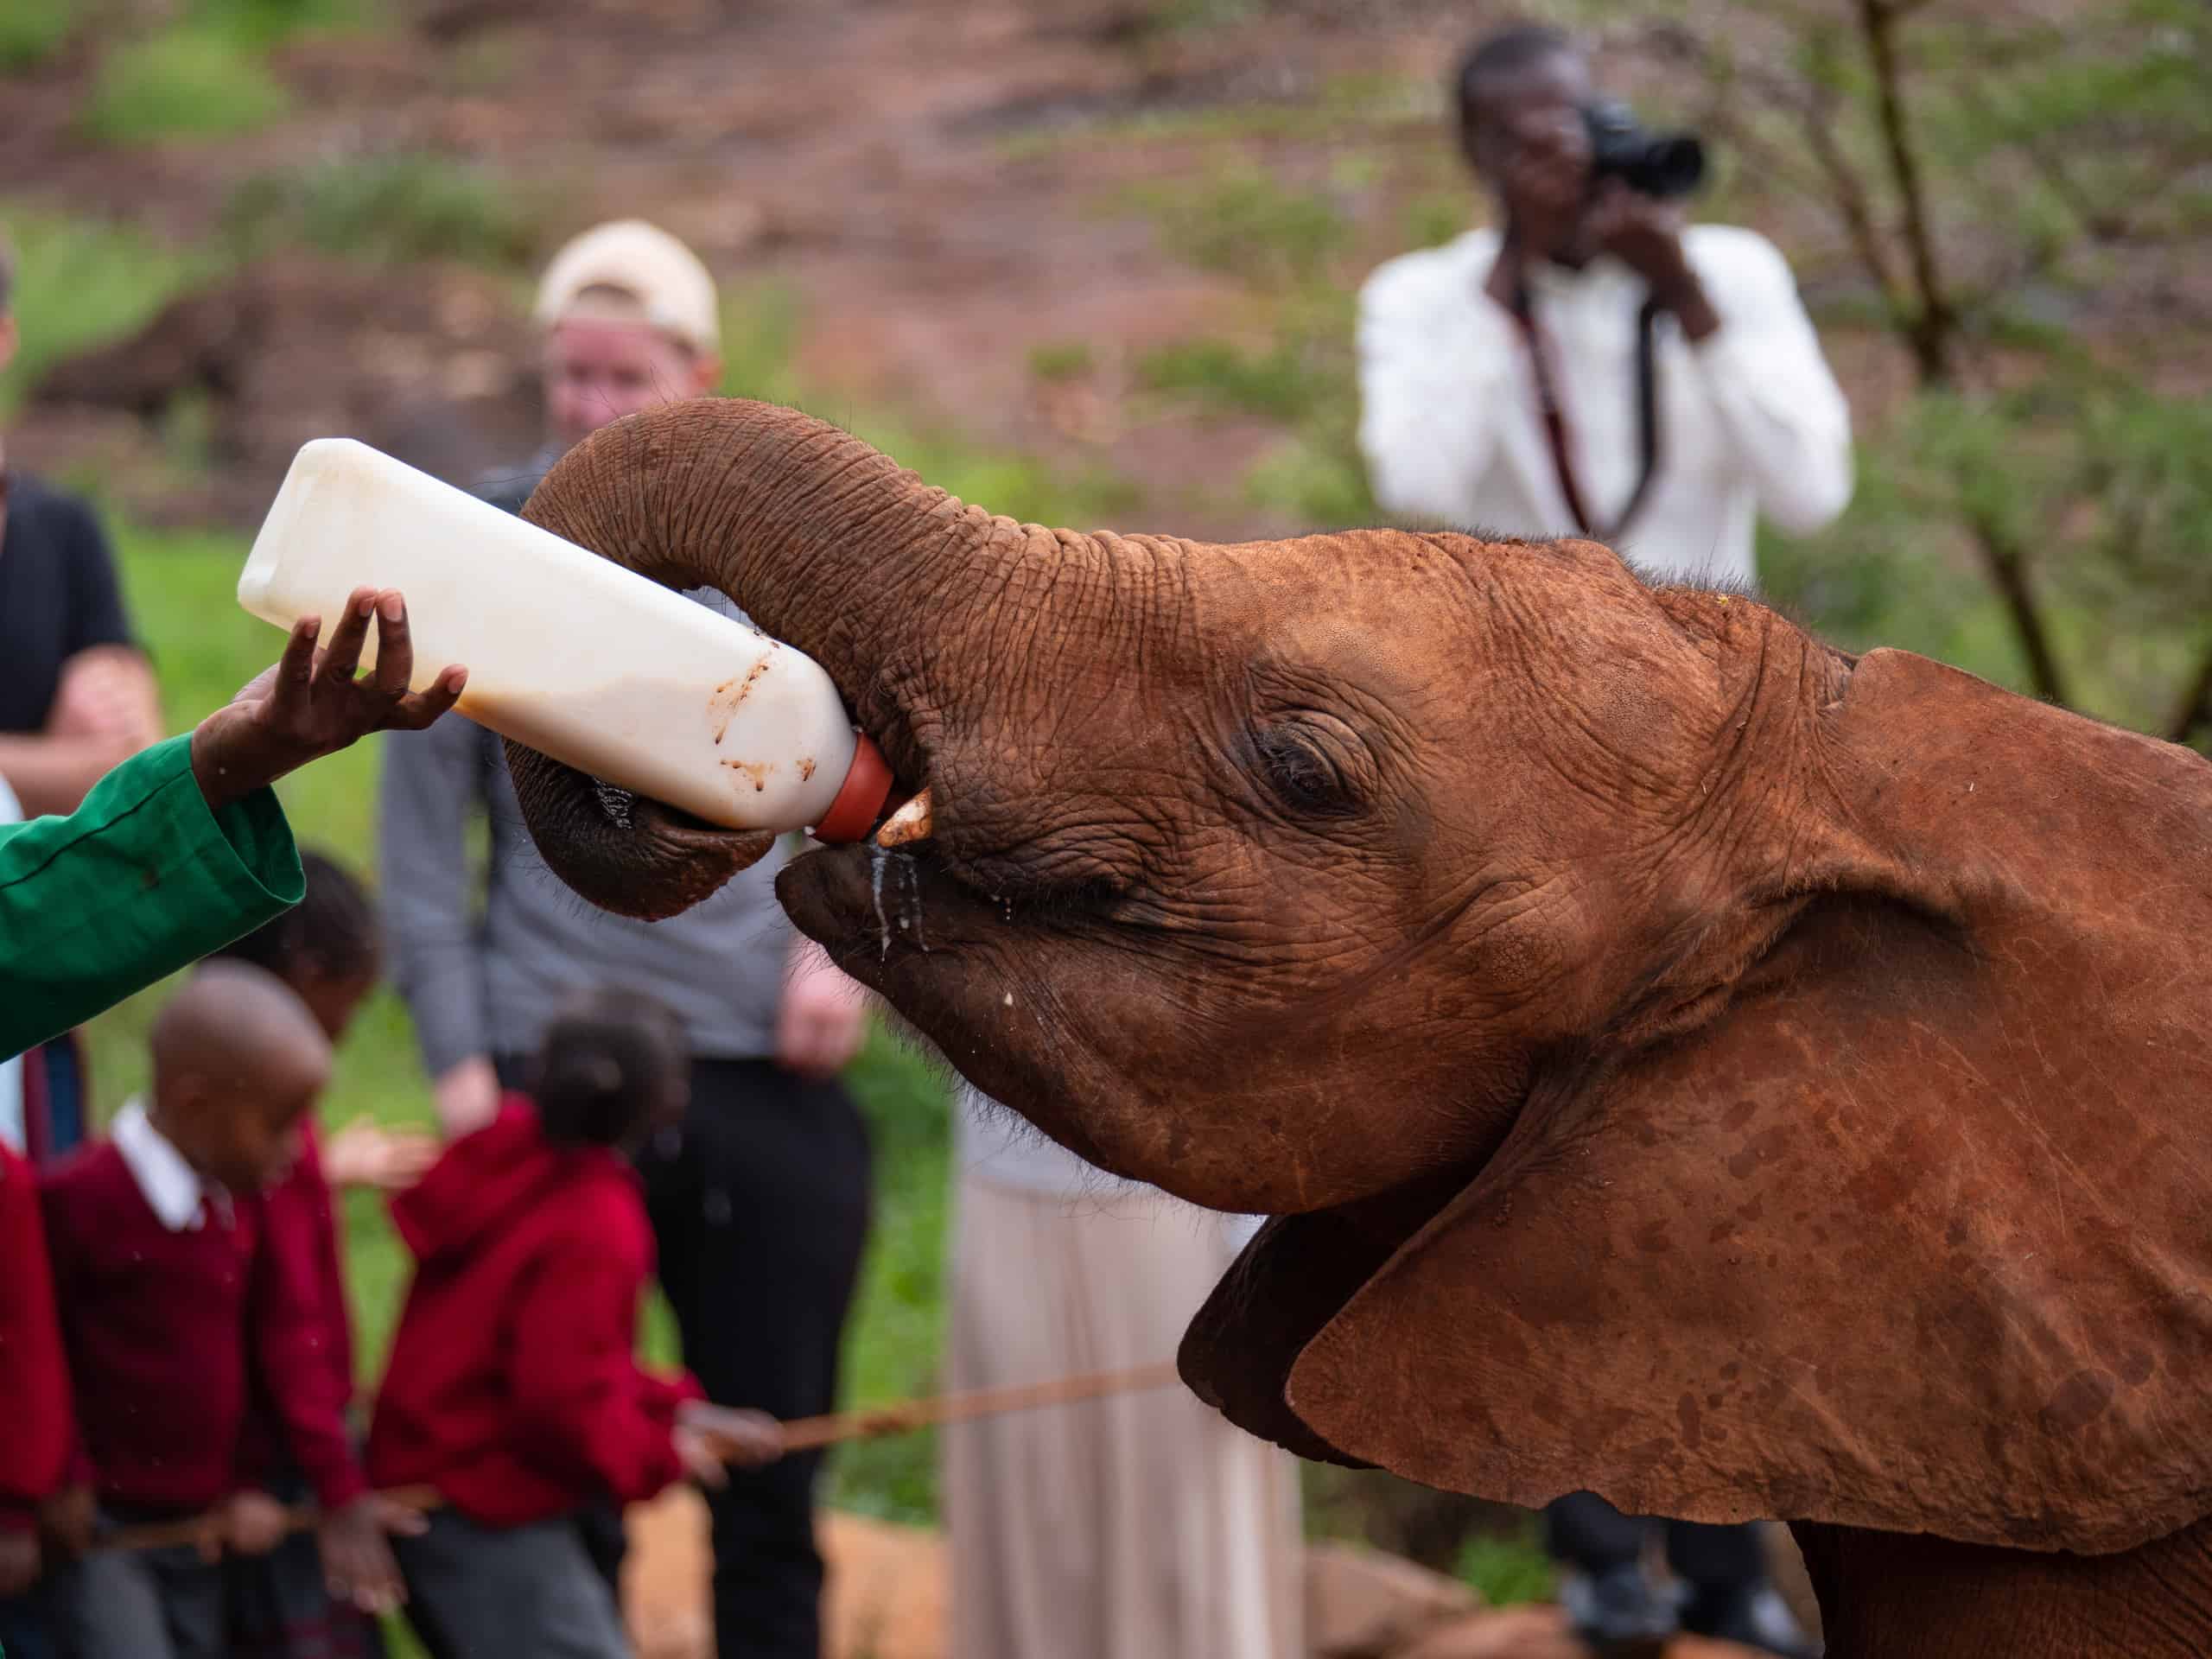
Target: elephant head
1680	1059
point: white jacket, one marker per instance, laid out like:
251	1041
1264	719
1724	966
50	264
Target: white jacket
1751	420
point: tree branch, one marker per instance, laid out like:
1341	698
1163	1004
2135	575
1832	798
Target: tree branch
1935	324
2007	564
1816	117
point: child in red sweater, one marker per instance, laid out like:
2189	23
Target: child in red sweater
34	1404
170	1304
327	951
514	1387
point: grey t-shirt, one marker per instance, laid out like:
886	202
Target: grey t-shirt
485	978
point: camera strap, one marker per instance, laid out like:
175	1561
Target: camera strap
1555	415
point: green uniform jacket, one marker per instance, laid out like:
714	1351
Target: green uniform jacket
141	880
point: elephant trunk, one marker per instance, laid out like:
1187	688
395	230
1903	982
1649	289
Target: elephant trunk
823	541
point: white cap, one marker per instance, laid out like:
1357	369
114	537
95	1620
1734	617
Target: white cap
653	279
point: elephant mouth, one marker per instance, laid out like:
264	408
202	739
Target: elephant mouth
873	908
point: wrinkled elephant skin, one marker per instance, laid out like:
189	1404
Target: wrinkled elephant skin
1680	1059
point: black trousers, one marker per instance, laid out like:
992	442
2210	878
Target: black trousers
1585	1531
760	1210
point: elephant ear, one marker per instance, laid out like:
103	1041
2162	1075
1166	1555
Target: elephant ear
1916	1236
1286	1284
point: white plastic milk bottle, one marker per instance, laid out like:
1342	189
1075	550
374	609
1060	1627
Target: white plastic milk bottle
567	652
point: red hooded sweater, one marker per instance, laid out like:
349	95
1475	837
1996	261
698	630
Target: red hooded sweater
40	1432
514	1387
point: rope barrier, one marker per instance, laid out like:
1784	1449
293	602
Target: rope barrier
799	1435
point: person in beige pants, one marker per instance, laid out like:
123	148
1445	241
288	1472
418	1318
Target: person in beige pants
1136	1526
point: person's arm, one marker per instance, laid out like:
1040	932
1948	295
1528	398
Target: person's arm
287	1330
822	1018
1755	350
105	708
108	690
183	848
1773	391
1428	418
289	1327
51	773
141	879
579	1398
432	782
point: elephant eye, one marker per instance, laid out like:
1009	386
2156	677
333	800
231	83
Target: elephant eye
1302	774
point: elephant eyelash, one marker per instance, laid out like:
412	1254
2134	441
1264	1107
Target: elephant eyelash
1302	775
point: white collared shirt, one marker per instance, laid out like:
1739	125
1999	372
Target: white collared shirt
1751	420
171	1187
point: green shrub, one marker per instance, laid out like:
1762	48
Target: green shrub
408	206
1507	1567
34	31
183	82
759	334
82	283
1065	360
1247	223
1278	382
268	22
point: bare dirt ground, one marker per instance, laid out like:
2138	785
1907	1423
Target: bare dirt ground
886	1599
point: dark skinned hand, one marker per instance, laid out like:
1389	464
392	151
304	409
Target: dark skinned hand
69	1519
357	1564
311	704
1645	234
248	1523
19	1562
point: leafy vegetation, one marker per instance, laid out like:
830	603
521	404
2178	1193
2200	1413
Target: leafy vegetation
83	282
33	32
1507	1567
182	82
1287	248
2015	196
272	22
1065	359
410	205
1247	223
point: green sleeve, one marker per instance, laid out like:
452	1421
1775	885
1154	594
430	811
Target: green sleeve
139	881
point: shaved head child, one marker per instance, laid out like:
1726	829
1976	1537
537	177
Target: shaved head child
176	1316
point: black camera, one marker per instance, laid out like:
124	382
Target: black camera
1652	163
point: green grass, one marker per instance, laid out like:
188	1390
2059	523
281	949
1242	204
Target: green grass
270	23
82	282
1276	383
1247	223
1507	1567
33	32
1060	359
183	82
396	207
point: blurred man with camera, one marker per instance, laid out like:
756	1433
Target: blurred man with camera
1597	366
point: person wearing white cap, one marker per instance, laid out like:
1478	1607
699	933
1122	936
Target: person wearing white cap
630	321
760	1206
